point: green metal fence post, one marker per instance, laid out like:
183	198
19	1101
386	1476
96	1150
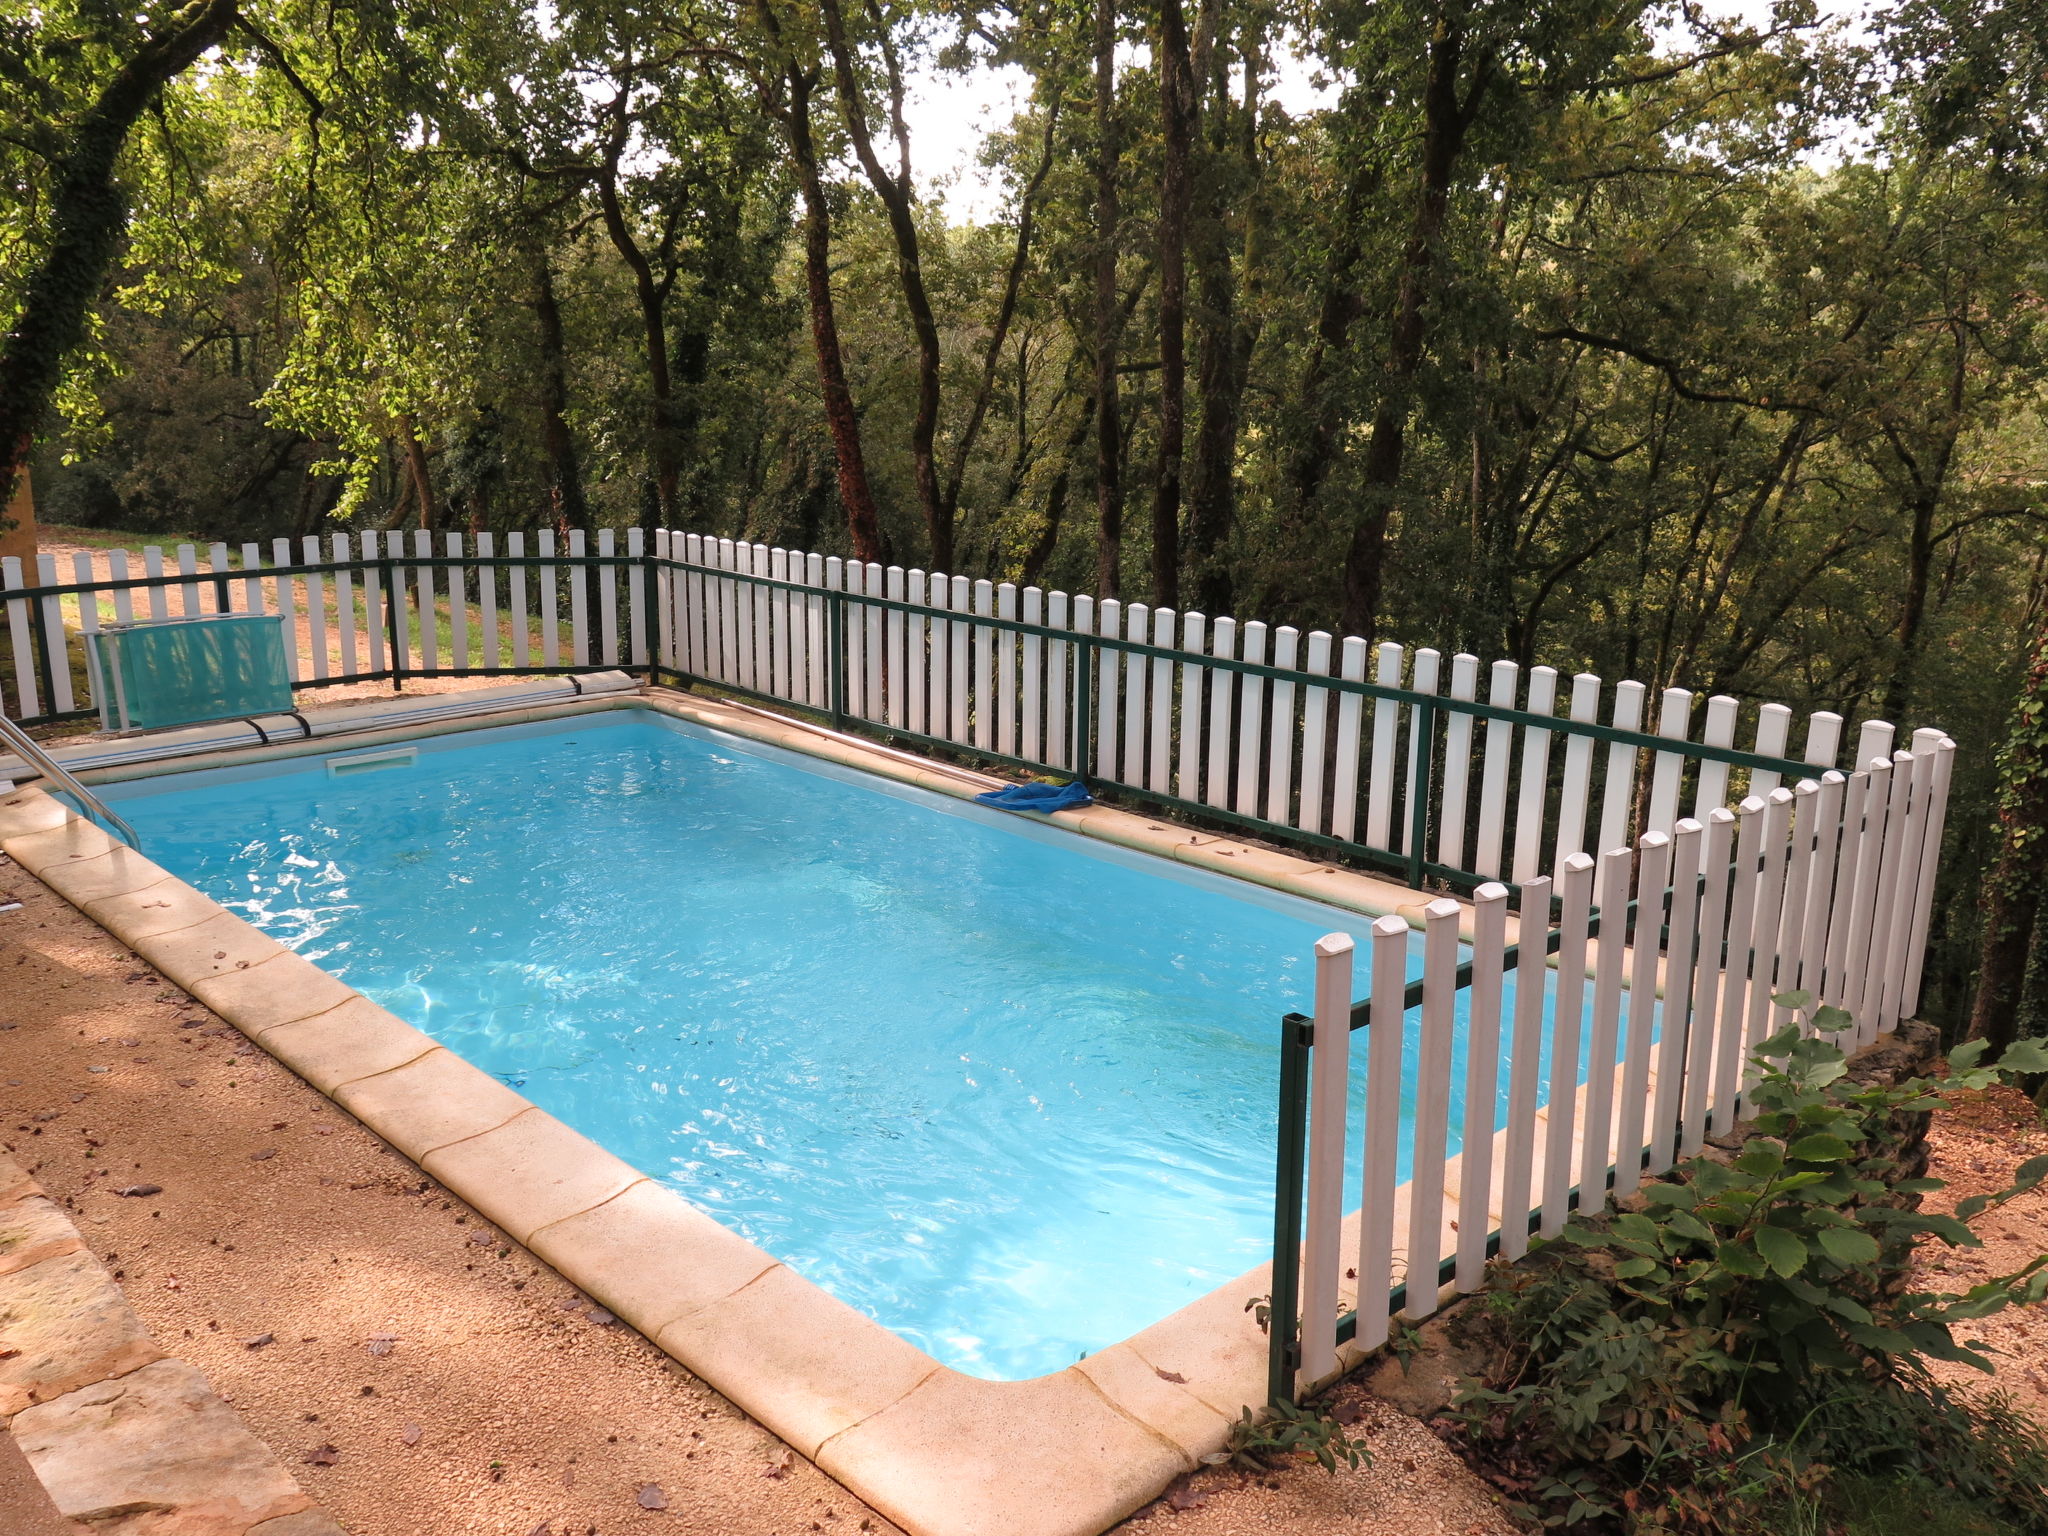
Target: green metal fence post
393	632
1290	1179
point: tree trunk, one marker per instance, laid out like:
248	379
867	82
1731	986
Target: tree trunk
653	299
1445	120
863	524
88	212
1177	109
416	463
2018	879
895	193
559	467
1109	507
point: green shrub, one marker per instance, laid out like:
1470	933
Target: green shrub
1749	1342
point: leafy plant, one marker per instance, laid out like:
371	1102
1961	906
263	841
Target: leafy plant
1287	1433
1753	1327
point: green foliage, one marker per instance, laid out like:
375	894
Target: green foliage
1716	1355
1287	1433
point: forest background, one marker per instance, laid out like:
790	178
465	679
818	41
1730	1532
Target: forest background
1612	336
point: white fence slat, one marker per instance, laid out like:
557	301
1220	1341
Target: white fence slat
895	637
1575	897
373	603
1315	714
1943	752
1577	788
1383	1051
1350	709
1773	731
1222	691
490	642
27	698
761	603
690	609
579	602
874	581
1823	738
1450	832
344	601
1518	1194
916	655
428	605
124	597
1863	895
1160	729
1770	899
283	588
1674	718
1386	721
1109	618
1501	681
1899	832
1329	1091
1741	931
636	592
941	653
1482	1082
1668	1102
1835	982
958	600
781	635
521	616
817	653
1873	740
1820	882
1421	747
1059	708
316	609
1082	623
1194	692
88	624
159	596
1535	776
607	579
1632	1106
1006	671
1798	872
1711	786
1031	745
1432	1106
1280	728
56	647
219	564
1251	718
188	565
550	601
458	605
984	668
1137	626
1610	968
1702	1036
1620	787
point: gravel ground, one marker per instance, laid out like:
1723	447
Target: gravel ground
417	1373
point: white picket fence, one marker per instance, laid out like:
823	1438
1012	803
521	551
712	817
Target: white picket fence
369	610
1508	799
1826	887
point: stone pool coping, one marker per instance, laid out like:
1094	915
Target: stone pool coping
938	1452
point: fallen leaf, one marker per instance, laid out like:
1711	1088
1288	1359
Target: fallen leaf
1185	1498
411	1434
278	1125
543	1529
264	1156
779	1467
260	1340
186	1082
321	1456
380	1344
599	1316
651	1496
1173	1376
220	954
99	1069
139	1191
8	1351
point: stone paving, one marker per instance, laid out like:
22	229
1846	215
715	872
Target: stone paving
124	1439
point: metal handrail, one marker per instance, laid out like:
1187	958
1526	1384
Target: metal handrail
28	751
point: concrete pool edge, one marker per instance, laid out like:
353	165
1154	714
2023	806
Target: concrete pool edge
940	1453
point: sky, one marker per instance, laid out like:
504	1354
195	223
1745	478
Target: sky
950	116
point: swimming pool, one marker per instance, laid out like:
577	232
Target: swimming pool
1006	1091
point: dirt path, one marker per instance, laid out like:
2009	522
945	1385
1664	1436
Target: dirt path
1977	1142
442	1382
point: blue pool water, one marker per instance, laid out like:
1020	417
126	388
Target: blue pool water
1008	1092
